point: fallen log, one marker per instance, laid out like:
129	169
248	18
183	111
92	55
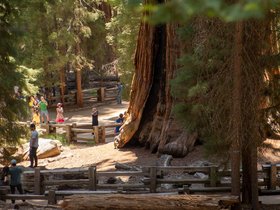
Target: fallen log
123	166
148	202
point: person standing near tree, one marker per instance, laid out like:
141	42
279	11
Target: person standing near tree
94	115
43	104
119	93
33	146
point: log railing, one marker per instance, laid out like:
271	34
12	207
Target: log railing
49	181
96	134
88	178
101	94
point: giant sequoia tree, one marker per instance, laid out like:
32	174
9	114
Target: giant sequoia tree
225	88
150	120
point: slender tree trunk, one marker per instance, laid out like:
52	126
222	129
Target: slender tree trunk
79	87
236	113
62	84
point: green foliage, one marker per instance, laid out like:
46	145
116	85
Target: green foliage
11	108
59	137
59	36
123	30
183	11
203	84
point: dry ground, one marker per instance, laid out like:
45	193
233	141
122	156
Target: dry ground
105	156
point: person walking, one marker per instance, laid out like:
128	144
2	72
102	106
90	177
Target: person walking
43	104
59	113
15	180
119	93
33	146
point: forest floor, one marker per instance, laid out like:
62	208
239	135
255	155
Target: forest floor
105	156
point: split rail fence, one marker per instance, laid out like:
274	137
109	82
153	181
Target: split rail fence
73	131
47	184
89	95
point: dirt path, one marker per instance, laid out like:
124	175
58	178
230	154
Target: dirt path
104	155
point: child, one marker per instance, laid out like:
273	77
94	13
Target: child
36	116
119	121
59	113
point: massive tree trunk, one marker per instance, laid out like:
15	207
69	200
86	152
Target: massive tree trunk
150	120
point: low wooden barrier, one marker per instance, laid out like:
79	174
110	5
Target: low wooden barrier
96	134
87	180
101	94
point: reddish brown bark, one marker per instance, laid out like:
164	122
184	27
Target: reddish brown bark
150	120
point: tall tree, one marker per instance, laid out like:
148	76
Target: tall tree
71	38
12	108
217	93
122	36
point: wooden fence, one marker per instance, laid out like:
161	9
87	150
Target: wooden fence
89	96
87	180
151	177
96	134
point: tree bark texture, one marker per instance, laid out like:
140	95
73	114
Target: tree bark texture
146	202
62	84
236	112
150	120
79	87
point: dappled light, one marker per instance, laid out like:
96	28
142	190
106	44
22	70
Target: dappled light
140	96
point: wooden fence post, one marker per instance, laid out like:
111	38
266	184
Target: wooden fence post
37	181
47	126
51	197
102	134
73	134
92	178
96	134
273	177
153	179
213	176
52	129
68	133
101	94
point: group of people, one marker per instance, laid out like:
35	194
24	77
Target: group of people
39	110
119	120
14	172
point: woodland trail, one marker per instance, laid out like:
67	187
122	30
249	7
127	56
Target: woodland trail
105	156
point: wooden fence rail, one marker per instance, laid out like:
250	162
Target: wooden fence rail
149	176
88	179
96	134
101	94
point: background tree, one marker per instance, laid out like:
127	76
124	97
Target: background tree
69	36
11	107
122	36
